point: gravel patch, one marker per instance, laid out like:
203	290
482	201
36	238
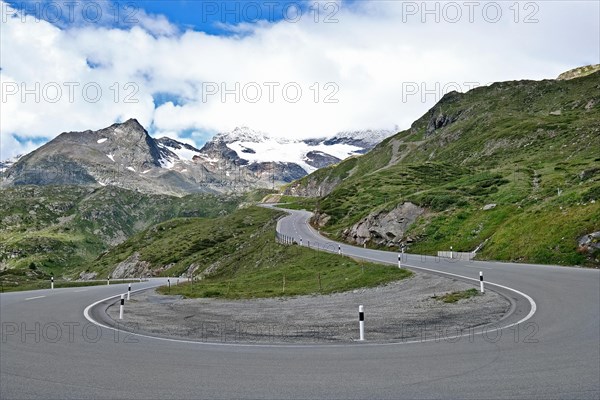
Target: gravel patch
403	310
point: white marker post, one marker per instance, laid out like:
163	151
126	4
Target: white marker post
400	261
339	249
108	281
129	292
451	253
121	307
361	322
300	241
52	283
481	281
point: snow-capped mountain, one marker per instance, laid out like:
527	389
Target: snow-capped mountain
253	147
125	155
365	139
243	134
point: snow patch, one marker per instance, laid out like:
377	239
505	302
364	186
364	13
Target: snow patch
111	156
131	169
166	163
184	154
291	152
102	140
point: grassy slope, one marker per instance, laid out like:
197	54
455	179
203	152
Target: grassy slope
56	229
245	261
504	147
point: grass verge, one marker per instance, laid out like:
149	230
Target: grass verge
299	271
456	296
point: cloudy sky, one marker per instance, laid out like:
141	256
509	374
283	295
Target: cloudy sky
188	69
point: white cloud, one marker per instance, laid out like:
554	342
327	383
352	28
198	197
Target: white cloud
375	52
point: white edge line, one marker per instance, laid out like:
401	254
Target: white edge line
531	301
86	314
33	298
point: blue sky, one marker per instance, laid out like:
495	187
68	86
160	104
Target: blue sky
208	16
190	69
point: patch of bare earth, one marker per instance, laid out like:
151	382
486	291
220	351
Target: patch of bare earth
404	310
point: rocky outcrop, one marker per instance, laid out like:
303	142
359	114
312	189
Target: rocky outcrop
132	267
312	187
439	120
386	228
320	219
87	276
590	243
578	72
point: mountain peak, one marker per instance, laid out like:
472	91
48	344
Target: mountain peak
242	134
366	138
131	123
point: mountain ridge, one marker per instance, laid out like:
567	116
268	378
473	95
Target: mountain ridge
125	155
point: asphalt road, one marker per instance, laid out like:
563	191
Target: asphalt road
548	348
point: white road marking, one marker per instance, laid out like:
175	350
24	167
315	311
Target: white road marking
33	298
532	311
475	266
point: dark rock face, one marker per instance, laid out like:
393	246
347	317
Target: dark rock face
278	171
439	120
53	171
248	151
319	159
168	142
217	149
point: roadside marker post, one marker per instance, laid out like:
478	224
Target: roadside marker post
361	322
121	307
451	253
481	281
339	249
52	282
129	292
400	261
300	241
108	281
